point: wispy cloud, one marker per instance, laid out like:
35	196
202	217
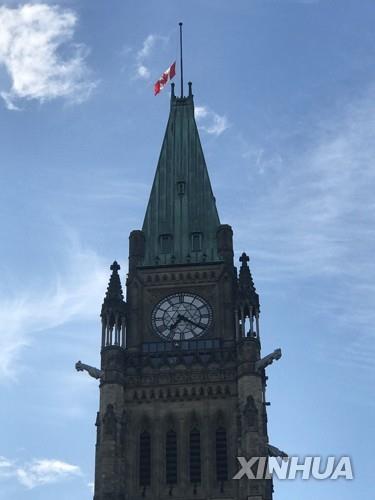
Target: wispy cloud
73	294
211	122
32	42
38	472
315	220
141	69
261	158
318	209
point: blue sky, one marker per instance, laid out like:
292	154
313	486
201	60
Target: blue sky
285	94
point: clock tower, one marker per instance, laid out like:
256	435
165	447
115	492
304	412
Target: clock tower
182	379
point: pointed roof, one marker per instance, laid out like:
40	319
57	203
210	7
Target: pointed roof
246	284
181	218
114	297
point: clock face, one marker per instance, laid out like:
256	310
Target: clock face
181	316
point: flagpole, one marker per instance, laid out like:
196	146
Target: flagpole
181	66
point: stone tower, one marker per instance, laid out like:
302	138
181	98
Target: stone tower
182	380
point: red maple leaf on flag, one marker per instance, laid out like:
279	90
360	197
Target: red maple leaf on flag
165	78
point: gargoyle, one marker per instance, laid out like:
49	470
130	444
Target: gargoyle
275	452
93	372
268	360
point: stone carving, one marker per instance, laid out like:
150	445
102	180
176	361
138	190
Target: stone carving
250	413
93	372
110	423
268	360
98	425
124	424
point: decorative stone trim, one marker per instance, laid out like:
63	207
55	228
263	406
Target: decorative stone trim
180	393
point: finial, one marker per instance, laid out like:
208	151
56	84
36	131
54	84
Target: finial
115	266
190	89
172	90
244	259
114	298
246	280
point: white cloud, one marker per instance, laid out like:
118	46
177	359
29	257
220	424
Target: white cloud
147	46
141	69
6	468
200	112
38	472
211	122
33	38
76	293
4	463
143	72
41	472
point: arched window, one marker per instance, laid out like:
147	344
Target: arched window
171	457
145	459
221	455
195	456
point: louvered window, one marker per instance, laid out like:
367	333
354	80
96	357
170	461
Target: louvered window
195	456
221	455
145	459
171	457
196	242
165	242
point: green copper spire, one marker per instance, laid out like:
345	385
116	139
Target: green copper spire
181	220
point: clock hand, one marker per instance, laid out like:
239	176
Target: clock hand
179	318
192	322
172	327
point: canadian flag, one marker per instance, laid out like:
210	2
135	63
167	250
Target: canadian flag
165	78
